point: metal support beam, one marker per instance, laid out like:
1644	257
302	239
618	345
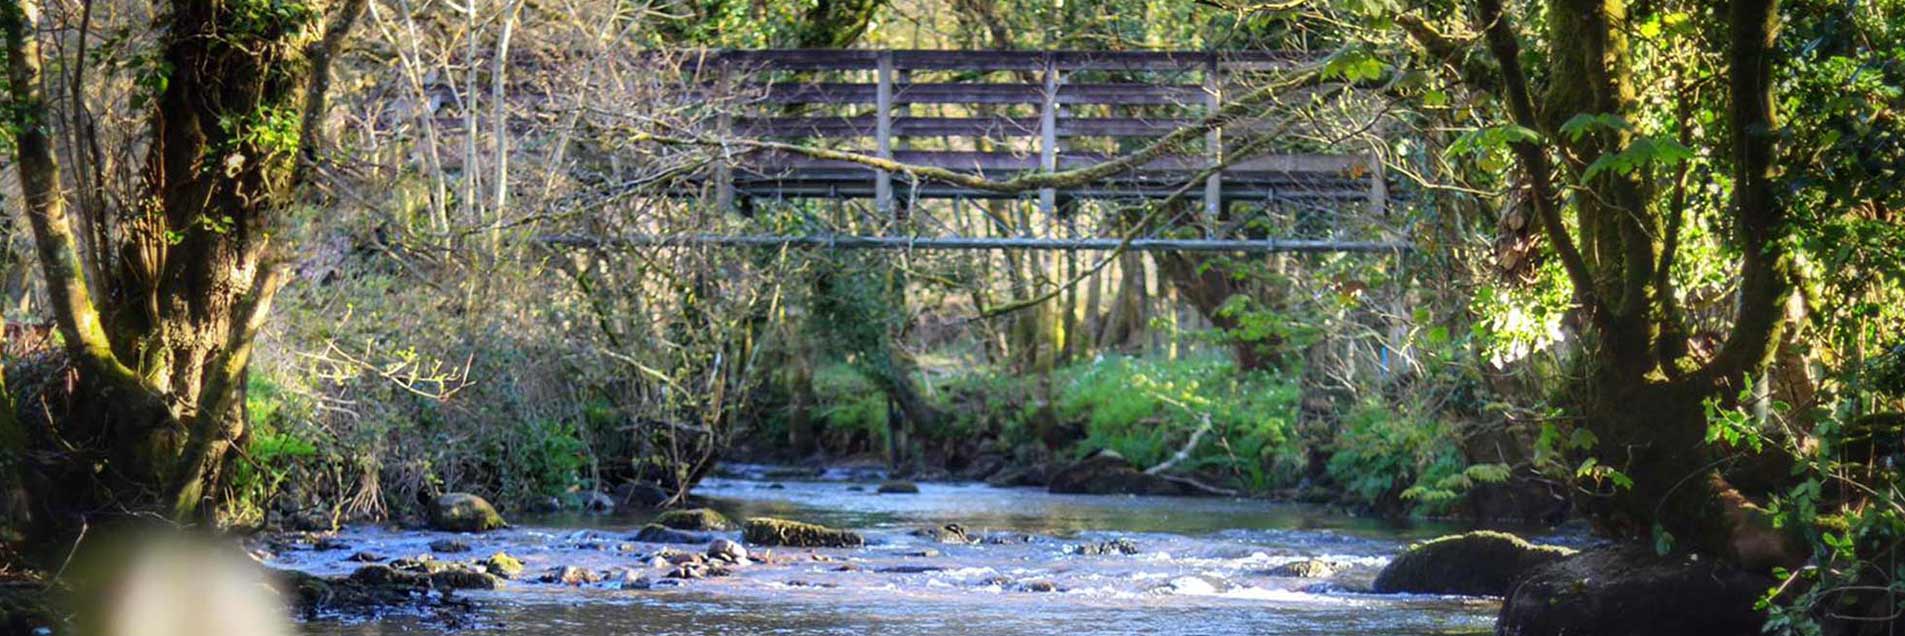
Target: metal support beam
1247	246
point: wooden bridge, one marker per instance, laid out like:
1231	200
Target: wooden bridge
1054	111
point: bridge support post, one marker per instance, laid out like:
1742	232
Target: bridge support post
883	131
1048	137
1214	143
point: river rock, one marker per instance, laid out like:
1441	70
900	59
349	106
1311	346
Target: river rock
657	533
386	576
1108	473
464	512
449	545
698	519
769	531
1114	546
598	503
726	550
950	533
1629	591
898	487
672	556
464	579
1480	563
1305	569
1039	586
364	557
640	493
503	565
569	575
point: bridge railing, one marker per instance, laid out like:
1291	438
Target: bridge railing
1185	86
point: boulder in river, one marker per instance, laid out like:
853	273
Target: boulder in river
899	487
781	532
464	512
657	533
698	519
1108	473
449	545
1630	591
1480	563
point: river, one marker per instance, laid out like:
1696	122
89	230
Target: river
1202	567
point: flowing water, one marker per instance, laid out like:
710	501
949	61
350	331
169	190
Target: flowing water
1202	568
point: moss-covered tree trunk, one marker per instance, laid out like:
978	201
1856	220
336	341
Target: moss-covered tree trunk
153	404
1641	394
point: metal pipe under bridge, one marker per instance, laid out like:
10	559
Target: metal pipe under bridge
999	114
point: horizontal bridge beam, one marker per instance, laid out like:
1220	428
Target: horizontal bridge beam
849	60
1245	246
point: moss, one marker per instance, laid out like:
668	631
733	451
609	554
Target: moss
781	532
702	519
503	565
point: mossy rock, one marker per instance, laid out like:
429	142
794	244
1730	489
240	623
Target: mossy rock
464	512
697	519
781	532
503	565
1480	563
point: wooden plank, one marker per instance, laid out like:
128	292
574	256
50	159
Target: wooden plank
956	93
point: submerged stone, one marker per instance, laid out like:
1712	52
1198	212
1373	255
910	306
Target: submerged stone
449	545
1114	546
464	512
898	487
769	531
656	533
1480	563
